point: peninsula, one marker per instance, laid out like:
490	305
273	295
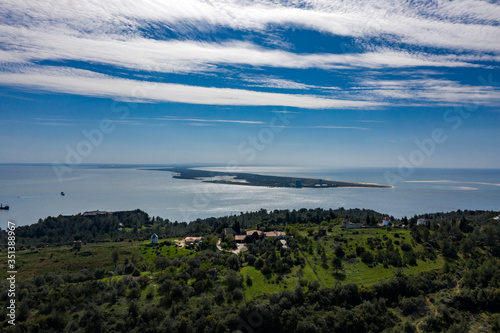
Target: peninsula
251	179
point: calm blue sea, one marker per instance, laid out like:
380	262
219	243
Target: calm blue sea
33	192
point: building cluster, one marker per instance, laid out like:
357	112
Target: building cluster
386	222
248	236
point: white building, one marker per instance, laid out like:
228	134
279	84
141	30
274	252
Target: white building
154	239
421	222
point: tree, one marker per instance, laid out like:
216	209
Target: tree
115	256
337	264
339	251
448	249
249	281
259	263
233	262
237	227
367	257
233	280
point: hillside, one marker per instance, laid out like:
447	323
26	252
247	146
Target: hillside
441	276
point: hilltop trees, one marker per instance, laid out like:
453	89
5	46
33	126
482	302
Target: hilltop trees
337	264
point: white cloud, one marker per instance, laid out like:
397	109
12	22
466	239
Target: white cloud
339	127
433	91
248	122
111	33
466	24
82	82
138	53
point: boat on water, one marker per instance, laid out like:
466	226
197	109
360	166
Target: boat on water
4	207
62	193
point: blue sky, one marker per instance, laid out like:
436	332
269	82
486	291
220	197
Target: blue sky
316	83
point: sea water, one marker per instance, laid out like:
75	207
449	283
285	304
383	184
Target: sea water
34	192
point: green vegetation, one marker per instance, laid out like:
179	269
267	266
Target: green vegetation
261	180
441	276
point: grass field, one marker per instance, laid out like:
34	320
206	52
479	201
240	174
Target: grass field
354	270
93	255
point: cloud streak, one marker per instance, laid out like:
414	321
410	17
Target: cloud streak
462	24
433	91
187	56
83	82
153	36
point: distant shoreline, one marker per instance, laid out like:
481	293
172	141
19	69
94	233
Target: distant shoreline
251	179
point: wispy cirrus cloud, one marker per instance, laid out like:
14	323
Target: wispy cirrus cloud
331	127
188	56
439	91
83	82
167	37
463	24
198	120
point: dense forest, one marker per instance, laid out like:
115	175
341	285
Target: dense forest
443	276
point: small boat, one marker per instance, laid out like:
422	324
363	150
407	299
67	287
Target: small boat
62	193
4	207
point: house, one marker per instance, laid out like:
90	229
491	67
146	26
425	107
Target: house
275	234
251	232
154	239
192	240
240	238
229	231
386	221
421	222
283	242
349	225
497	217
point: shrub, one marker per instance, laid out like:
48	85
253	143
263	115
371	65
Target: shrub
250	258
249	281
134	293
259	263
367	257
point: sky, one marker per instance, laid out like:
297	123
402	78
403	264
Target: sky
306	83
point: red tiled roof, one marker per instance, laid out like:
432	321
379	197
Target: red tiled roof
250	232
275	234
192	239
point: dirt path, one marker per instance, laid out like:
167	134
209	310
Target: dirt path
314	271
429	303
458	285
418	326
457	290
432	305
